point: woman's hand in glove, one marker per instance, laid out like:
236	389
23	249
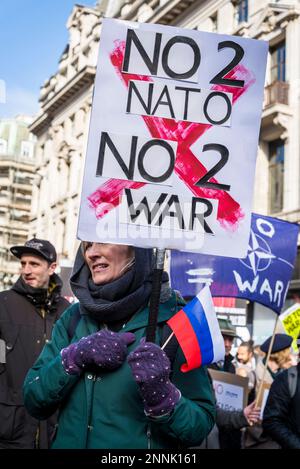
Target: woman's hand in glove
105	349
151	368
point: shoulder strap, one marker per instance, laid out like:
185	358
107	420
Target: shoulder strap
292	380
74	320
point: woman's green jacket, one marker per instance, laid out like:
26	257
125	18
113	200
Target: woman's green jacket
104	409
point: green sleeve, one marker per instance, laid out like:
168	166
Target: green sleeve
47	383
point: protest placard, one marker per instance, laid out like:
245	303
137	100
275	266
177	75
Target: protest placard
261	402
290	320
173	139
231	390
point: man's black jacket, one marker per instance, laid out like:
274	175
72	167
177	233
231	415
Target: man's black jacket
281	418
26	322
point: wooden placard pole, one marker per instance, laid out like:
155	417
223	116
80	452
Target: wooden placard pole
155	294
260	389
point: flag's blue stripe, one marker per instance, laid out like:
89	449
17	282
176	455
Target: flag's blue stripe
195	312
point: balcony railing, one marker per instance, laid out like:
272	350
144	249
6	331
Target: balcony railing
277	93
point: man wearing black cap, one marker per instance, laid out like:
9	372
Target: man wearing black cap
28	312
281	419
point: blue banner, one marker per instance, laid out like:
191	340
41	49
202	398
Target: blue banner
263	276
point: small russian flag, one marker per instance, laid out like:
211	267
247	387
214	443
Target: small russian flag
197	331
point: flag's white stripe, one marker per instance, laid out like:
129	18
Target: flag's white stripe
218	342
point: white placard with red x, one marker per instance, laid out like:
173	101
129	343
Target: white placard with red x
173	139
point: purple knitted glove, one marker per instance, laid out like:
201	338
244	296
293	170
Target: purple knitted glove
150	367
105	349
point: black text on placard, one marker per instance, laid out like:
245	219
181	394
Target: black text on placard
136	158
186	103
167	211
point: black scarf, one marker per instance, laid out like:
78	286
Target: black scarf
45	298
119	299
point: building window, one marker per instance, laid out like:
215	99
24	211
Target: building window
16	239
4	172
276	175
278	63
27	150
242	8
3	146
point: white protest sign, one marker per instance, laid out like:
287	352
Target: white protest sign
173	139
263	402
231	390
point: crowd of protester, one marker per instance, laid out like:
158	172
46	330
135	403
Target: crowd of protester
83	376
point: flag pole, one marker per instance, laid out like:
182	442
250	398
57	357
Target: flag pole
260	389
155	294
167	341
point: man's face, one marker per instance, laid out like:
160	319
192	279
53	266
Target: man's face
243	355
228	341
35	271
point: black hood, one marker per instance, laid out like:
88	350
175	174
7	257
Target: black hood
46	298
119	299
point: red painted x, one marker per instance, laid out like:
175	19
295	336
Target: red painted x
187	166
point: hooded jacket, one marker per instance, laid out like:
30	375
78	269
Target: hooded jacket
26	321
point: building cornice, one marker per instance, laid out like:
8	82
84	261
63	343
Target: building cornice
14	161
80	81
170	11
165	14
133	12
275	122
202	10
274	18
41	122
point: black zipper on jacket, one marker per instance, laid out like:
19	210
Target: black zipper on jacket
148	436
89	426
43	314
45	326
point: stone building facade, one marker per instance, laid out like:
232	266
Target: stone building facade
61	127
17	174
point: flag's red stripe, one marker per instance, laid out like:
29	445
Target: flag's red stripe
187	340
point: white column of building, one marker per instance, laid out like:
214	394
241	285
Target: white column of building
261	196
226	18
292	148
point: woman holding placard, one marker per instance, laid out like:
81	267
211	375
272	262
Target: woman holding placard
105	398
